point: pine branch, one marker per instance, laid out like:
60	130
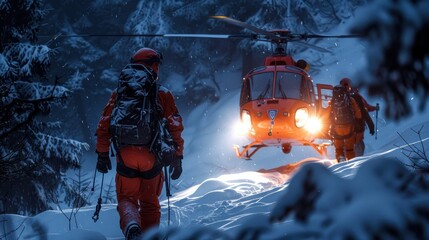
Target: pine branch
12	167
36	103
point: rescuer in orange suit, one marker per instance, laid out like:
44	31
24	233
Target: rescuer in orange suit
364	107
342	125
138	203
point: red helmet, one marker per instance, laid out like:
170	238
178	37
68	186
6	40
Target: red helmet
146	55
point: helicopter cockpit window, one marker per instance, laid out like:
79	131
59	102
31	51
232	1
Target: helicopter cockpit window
261	85
290	85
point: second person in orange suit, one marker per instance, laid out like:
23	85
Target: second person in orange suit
342	123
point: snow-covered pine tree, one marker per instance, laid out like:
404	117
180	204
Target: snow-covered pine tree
33	154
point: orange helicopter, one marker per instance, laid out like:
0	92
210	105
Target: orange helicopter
278	102
279	105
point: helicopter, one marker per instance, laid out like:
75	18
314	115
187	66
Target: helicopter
279	104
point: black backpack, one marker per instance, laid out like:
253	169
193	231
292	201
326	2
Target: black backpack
136	119
341	107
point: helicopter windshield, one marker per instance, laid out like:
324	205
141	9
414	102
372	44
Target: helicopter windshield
288	85
261	86
291	85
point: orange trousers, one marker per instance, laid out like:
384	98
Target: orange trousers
344	148
138	198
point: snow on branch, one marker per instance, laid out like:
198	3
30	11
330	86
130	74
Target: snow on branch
24	100
4	6
7	68
66	149
35	91
29	58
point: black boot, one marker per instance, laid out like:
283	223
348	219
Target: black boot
134	233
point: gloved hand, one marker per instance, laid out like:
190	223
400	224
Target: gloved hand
176	168
103	162
371	131
377	107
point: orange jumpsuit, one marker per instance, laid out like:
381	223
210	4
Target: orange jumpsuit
138	201
344	136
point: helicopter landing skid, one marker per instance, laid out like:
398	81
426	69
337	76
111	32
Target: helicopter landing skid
322	148
245	154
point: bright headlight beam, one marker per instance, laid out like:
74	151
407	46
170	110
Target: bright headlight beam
245	125
313	125
246	119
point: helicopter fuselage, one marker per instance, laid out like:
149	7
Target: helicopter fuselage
279	100
278	105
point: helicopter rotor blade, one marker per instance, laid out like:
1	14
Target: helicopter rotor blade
220	36
245	25
295	39
206	36
304	44
273	37
331	36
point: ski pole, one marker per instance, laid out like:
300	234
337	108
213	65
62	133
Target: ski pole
167	191
376	120
93	180
98	207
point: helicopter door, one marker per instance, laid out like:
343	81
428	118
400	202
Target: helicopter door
324	96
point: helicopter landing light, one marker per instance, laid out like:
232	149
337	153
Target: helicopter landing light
244	127
301	117
313	125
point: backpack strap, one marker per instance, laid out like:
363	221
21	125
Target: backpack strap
157	115
158	107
